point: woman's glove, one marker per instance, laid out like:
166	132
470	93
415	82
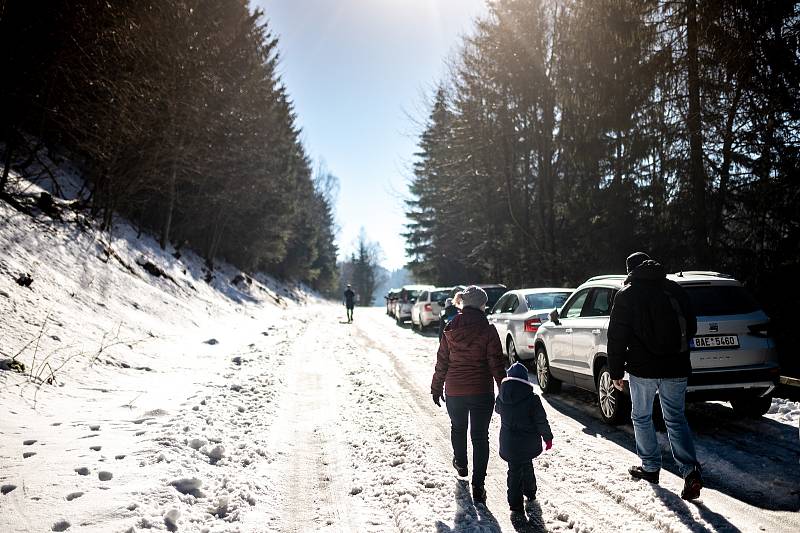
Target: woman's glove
548	444
437	397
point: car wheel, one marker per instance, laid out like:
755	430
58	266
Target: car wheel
511	350
547	382
752	407
613	402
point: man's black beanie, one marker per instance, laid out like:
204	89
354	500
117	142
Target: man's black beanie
635	259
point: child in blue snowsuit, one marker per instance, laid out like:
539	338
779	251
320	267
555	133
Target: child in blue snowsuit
523	428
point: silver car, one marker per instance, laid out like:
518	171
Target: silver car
733	357
427	307
406	300
517	316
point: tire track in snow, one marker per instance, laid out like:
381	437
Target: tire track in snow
306	437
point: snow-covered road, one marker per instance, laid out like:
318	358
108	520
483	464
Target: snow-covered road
296	421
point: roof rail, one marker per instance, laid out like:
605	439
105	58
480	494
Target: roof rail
606	276
683	273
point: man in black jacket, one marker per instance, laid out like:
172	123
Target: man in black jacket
648	336
349	302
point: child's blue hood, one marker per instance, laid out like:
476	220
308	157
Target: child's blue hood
516	386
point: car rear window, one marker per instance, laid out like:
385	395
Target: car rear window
718	300
546	300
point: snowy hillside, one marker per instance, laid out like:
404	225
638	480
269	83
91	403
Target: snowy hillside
119	333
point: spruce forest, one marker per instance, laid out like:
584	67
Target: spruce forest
175	113
569	134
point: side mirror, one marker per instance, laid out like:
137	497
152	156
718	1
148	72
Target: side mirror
554	317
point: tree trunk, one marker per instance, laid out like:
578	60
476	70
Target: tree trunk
170	208
697	178
725	167
6	163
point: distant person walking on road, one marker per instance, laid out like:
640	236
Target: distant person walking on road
349	302
648	335
523	427
469	356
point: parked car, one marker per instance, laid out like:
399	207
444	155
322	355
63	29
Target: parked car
406	300
518	314
733	357
391	300
493	291
427	307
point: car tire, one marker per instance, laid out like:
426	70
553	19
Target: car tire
547	382
613	403
752	407
511	350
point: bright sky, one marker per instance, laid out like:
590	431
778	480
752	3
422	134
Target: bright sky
356	70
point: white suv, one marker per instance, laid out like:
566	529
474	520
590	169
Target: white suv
733	358
427	307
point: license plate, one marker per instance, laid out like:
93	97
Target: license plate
715	341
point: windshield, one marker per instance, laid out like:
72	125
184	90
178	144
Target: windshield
546	300
494	294
439	295
718	300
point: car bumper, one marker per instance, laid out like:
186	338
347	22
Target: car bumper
735	382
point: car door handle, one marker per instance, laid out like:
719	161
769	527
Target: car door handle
568	330
596	331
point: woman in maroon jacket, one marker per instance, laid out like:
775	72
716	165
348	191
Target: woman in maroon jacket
469	357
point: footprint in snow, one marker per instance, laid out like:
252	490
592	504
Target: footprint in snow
82	471
28	442
95	427
119	457
104	475
5	489
95	448
72	495
61	525
28	454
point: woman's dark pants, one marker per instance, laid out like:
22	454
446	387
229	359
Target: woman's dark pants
521	482
475	412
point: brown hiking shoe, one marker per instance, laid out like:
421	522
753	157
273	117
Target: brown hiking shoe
692	485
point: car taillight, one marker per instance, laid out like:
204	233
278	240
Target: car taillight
428	307
759	330
532	325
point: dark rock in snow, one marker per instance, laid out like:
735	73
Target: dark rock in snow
45	203
5	489
152	268
61	525
24	280
13	365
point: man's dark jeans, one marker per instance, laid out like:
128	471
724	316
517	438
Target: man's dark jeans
477	410
521	482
